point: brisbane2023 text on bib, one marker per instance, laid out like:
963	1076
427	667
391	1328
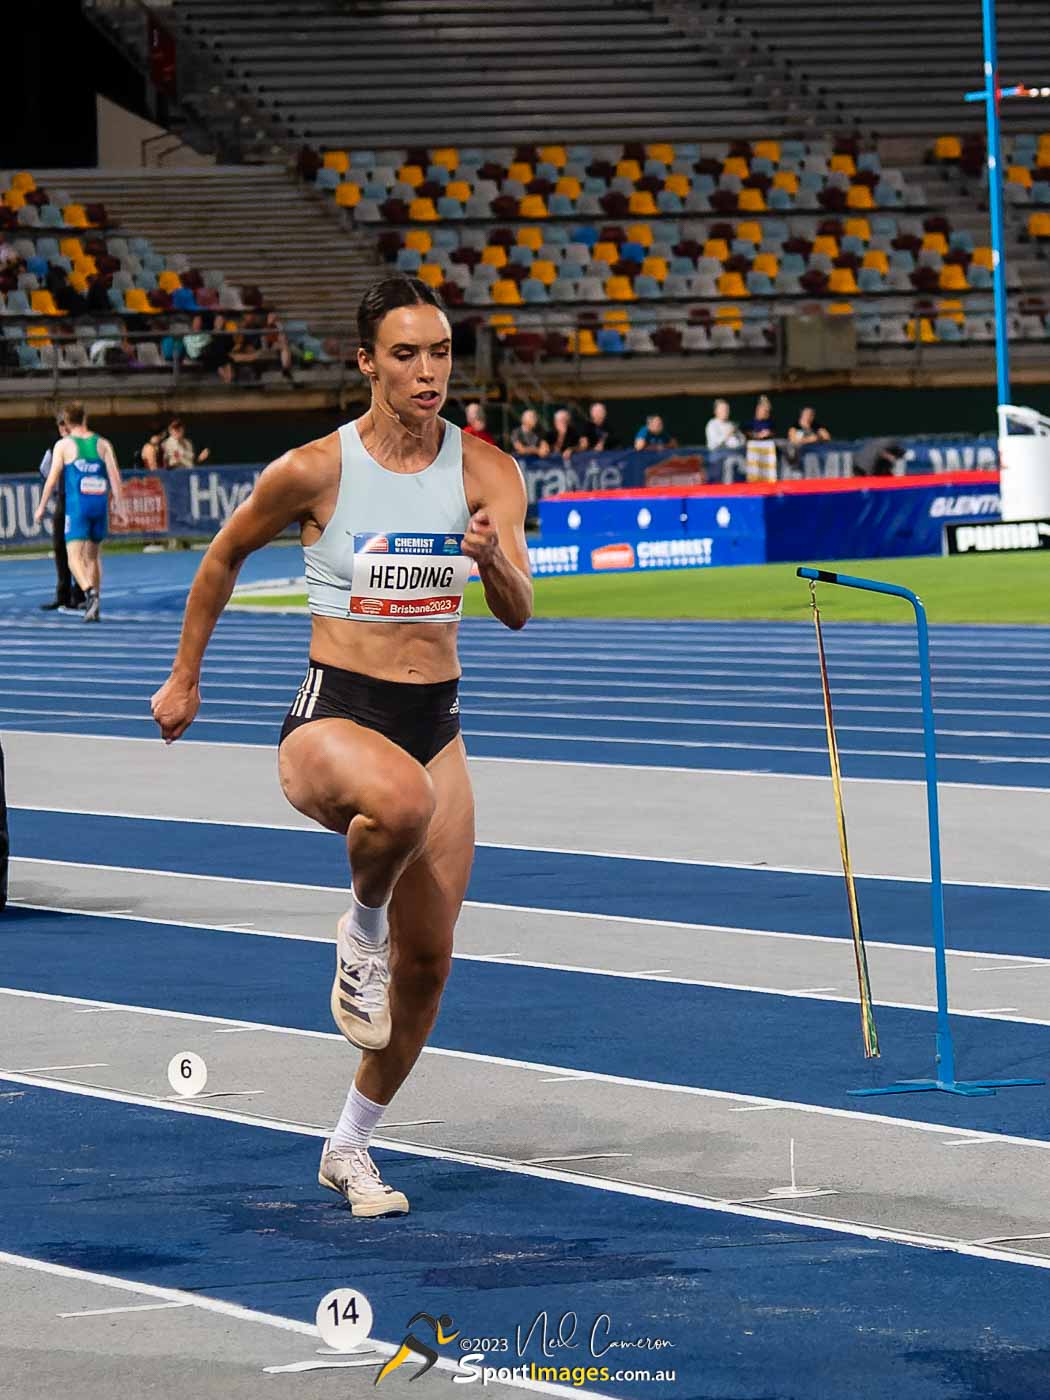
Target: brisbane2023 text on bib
409	578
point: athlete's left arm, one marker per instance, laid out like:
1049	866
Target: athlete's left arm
105	448
495	536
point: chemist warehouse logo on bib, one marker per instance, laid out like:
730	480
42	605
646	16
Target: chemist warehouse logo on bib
418	577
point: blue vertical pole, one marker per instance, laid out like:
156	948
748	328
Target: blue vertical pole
995	200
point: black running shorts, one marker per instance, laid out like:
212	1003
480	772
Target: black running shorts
421	719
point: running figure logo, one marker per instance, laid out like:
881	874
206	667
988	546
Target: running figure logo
424	1350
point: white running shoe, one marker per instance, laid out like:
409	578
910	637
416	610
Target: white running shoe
360	992
356	1177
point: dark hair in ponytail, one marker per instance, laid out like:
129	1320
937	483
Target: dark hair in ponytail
388	295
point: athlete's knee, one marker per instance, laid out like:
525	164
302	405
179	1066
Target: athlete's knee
402	811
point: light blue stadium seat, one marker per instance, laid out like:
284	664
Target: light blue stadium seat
869	160
546	171
678	286
788	284
779	199
557	233
449	208
438	174
886	194
868	327
947	329
116	299
743	248
409	260
961	238
883	226
980	278
810	180
373	190
669	203
869	279
18	304
583	154
792	150
901	258
576	255
647	288
521	255
560	206
594	184
609	341
51	216
28	356
655	167
367	211
141	247
471	156
762	165
704	185
759	284
534	292
681	267
363	160
1040	192
47	248
563	289
852	244
687	150
647	315
794	264
445	238
328	179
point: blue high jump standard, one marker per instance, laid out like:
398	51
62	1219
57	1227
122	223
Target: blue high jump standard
945	1080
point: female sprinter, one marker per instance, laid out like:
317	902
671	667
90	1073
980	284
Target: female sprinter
393	510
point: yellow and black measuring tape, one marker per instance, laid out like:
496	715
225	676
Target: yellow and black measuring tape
867	1014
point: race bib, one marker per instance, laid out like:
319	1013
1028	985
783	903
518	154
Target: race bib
408	578
92	485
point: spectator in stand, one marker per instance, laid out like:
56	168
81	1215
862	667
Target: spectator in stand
883	456
808	430
564	437
653	435
68	593
150	456
8	256
178	449
210	351
307	163
761	463
527	440
600	437
721	431
275	343
476	424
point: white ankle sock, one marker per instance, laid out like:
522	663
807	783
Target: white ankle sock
367	922
357	1122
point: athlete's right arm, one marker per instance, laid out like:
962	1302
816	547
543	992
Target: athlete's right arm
285	492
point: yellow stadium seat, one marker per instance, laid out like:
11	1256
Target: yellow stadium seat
169	281
768	263
78	282
605	252
619	289
640	233
678	184
458	189
786	180
859	197
348	195
554	155
826	243
135	299
520	170
419	240
878	259
660	150
768	150
71	248
505	293
411	175
953	278
716	248
983	257
39	335
1043	153
447	156
502	321
422	211
947	148
952	310
532	206
494	255
530	237
616	316
656	267
629	169
729	316
934	243
75	216
731	284
926	333
736	165
642	202
431	274
859	228
840	308
1019	175
544	271
43	304
751	202
86	265
583	341
1039	225
14	199
842	282
843	164
337	160
23	182
750	230
568	185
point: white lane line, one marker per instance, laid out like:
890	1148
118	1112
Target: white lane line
993	1010
285	1324
574	1157
39	1069
537	910
414	1123
546	1173
130	1308
564	1079
758	1108
968	1142
763	773
1010	967
529	1066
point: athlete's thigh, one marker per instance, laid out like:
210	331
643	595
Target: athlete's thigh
427	898
332	769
